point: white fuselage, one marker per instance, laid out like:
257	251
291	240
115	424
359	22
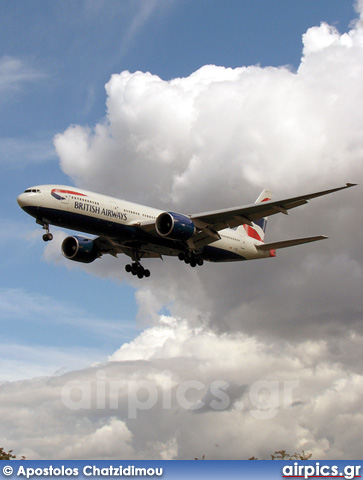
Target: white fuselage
97	214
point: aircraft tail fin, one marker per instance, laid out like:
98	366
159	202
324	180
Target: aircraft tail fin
257	229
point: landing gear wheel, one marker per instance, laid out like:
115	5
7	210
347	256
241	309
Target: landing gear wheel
47	237
138	270
191	258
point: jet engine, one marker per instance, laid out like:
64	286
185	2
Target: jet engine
174	226
80	249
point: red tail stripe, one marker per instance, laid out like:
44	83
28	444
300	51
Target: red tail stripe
251	232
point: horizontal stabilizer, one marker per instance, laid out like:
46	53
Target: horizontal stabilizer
289	243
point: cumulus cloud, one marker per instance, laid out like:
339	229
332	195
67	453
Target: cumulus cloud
267	125
211	140
177	392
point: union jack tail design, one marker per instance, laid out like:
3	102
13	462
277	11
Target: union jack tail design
61	194
257	229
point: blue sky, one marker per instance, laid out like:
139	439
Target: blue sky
196	138
55	60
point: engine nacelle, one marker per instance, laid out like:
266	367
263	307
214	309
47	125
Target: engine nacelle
174	226
79	249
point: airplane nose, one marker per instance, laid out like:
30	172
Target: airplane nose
31	199
22	200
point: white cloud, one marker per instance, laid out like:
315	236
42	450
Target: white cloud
20	361
140	14
14	72
181	392
106	441
17	303
13	230
213	140
267	124
20	151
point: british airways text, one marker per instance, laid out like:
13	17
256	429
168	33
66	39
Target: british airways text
86	207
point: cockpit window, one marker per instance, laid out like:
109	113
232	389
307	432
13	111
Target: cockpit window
32	190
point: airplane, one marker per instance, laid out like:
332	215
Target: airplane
143	232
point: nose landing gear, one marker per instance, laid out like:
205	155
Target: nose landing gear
47	237
45	224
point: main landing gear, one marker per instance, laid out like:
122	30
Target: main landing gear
191	259
138	270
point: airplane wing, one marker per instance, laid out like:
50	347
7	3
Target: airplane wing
209	223
230	218
114	246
